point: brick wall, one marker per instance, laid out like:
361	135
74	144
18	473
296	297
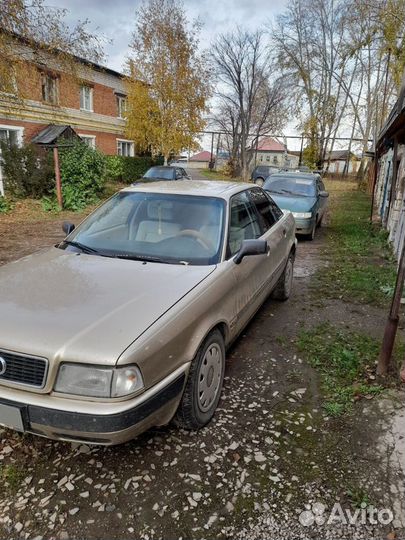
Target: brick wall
104	103
106	142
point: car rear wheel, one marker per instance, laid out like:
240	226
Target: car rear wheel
204	384
259	181
284	286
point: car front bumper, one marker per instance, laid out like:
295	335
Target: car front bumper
304	226
86	421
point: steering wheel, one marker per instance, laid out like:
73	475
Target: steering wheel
198	236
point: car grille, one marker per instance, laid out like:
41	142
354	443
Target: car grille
23	369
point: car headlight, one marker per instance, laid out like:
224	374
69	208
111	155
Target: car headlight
302	215
93	381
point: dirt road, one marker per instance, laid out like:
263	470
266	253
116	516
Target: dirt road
269	454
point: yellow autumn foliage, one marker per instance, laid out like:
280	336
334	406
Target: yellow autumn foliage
168	82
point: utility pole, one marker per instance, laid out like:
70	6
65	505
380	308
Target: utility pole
301	150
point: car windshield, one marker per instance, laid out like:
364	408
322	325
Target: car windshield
166	173
290	185
156	227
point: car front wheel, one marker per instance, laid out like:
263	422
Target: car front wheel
259	181
284	285
204	384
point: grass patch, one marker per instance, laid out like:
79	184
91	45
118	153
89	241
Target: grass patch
361	267
346	363
216	175
358	496
12	476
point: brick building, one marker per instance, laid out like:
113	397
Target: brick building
92	102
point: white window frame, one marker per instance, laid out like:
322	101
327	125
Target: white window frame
91	138
83	98
121	106
132	148
20	138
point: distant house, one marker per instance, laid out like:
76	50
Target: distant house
269	151
337	160
200	160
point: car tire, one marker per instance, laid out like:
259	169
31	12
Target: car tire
283	288
204	384
320	222
311	235
259	181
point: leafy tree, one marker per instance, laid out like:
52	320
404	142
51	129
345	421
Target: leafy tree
168	83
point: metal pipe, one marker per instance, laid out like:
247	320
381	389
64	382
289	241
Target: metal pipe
393	318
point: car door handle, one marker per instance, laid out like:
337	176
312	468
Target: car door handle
284	232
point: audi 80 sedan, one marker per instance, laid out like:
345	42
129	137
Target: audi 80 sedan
124	325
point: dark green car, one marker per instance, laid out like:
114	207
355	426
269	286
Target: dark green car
302	194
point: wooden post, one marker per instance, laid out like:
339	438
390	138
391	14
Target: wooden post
211	163
393	318
57	177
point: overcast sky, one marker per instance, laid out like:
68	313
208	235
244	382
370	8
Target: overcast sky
115	19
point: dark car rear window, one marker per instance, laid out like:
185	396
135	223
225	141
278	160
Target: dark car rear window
166	173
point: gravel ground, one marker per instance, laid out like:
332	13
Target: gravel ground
269	454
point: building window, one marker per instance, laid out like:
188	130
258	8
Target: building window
50	92
125	148
90	140
86	98
8	81
121	106
10	136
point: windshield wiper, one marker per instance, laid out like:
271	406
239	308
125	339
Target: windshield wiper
144	258
85	249
293	193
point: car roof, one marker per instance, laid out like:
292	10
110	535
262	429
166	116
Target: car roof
204	188
298	175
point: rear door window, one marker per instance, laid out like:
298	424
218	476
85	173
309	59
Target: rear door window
267	209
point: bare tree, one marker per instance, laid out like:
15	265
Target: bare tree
310	41
250	103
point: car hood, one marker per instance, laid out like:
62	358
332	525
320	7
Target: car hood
71	306
294	204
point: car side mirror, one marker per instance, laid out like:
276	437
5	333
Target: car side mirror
323	194
67	227
251	247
